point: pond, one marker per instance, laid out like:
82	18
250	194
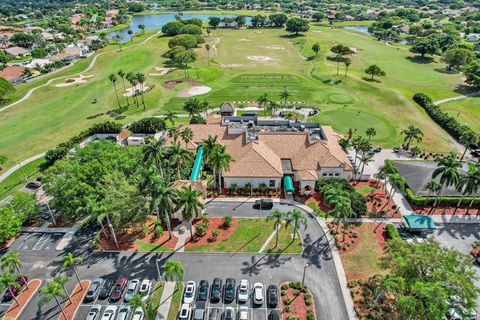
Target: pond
156	21
362	29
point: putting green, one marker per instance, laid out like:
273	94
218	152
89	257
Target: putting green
342	119
341	98
467	111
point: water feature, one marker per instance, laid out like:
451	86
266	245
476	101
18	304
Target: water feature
156	21
362	29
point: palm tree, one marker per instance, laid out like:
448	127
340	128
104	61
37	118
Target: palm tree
141	78
371	132
469	183
433	188
271	107
121	74
7	281
165	199
132	78
262	101
130	33
113	79
190	204
285	95
11	261
187	135
208	146
208	47
141	27
53	290
154	152
278	217
364	159
347	62
137	302
118	40
69	260
296	218
171	117
174	269
178	156
412	133
174	133
397	182
467	139
219	159
447	169
62	280
386	170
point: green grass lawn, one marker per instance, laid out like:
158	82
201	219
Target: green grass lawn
148	247
364	190
17	179
176	302
466	110
154	301
249	236
286	244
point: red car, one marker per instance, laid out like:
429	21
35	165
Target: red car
15	290
117	291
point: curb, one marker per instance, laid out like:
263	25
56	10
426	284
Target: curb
22	307
75	290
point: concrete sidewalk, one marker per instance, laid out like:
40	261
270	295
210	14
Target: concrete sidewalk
166	300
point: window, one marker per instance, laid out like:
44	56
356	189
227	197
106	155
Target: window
330	174
324	174
271	183
337	174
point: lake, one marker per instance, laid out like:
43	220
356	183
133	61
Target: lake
362	29
156	21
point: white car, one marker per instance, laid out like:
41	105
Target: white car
243	313
124	313
138	314
145	289
243	291
109	313
189	293
132	289
94	312
258	293
185	312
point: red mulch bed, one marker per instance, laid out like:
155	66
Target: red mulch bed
447	210
126	241
213	223
298	307
60	223
30	223
77	296
23	298
352	237
475	252
7	244
378	201
380	233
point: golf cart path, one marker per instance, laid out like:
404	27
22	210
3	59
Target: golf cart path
90	66
10	171
464	96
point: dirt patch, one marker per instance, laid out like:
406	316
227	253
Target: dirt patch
126	241
73	81
261	58
77	296
213	224
380	233
294	303
138	88
275	47
243	40
23	298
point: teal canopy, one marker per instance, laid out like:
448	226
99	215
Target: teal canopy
417	222
288	183
197	165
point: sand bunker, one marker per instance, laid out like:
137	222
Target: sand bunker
317	31
138	88
73	81
233	65
194	91
162	71
275	47
243	39
260	58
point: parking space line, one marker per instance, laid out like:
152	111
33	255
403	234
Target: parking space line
41	242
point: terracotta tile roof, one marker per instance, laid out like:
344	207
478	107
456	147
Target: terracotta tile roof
12	72
16	51
309	175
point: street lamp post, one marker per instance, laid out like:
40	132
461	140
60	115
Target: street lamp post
304	271
158	270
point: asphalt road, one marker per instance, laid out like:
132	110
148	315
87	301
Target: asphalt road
320	276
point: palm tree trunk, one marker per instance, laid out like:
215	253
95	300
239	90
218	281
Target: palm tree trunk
61	308
190	226
167	221
112	231
125	91
24	278
461	199
116	94
14	297
219	182
276	235
464	152
78	278
338	65
66	292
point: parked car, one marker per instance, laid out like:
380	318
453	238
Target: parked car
106	288
272	296
185	312
242	295
94	289
132	289
213	314
258	293
109	313
15	290
199	313
145	289
243	313
475	152
274	315
229	290
94	312
216	292
124	313
229	314
189	293
138	314
396	150
263	204
377	149
35	184
202	290
117	290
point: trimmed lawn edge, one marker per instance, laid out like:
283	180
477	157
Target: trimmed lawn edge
77	297
14	313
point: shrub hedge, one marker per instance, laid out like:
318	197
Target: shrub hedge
422	201
391	232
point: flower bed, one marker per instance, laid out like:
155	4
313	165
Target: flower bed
23	298
297	302
77	296
346	239
207	237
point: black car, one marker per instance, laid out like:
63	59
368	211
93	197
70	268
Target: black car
229	314
475	152
213	314
272	296
202	290
35	184
263	204
274	315
229	290
216	292
106	289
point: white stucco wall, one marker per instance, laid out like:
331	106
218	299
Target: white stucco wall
333	173
227	181
304	183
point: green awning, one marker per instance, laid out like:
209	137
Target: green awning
197	165
417	222
288	183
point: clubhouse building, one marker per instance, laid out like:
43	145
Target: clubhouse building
278	153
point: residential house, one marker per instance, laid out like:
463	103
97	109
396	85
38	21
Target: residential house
14	74
16	52
70	54
473	37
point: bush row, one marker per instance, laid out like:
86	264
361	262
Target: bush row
391	232
447	122
358	201
422	201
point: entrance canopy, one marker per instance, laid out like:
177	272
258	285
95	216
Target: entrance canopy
415	222
288	182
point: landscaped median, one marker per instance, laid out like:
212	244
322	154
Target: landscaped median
76	298
23	299
297	302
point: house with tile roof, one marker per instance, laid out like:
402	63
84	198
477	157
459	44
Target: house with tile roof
270	151
14	74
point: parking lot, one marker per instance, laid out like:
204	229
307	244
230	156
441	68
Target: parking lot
36	241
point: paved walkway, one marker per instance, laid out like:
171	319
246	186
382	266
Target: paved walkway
166	300
270	237
464	96
7	173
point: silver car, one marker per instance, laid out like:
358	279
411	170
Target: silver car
94	289
132	289
94	312
124	313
